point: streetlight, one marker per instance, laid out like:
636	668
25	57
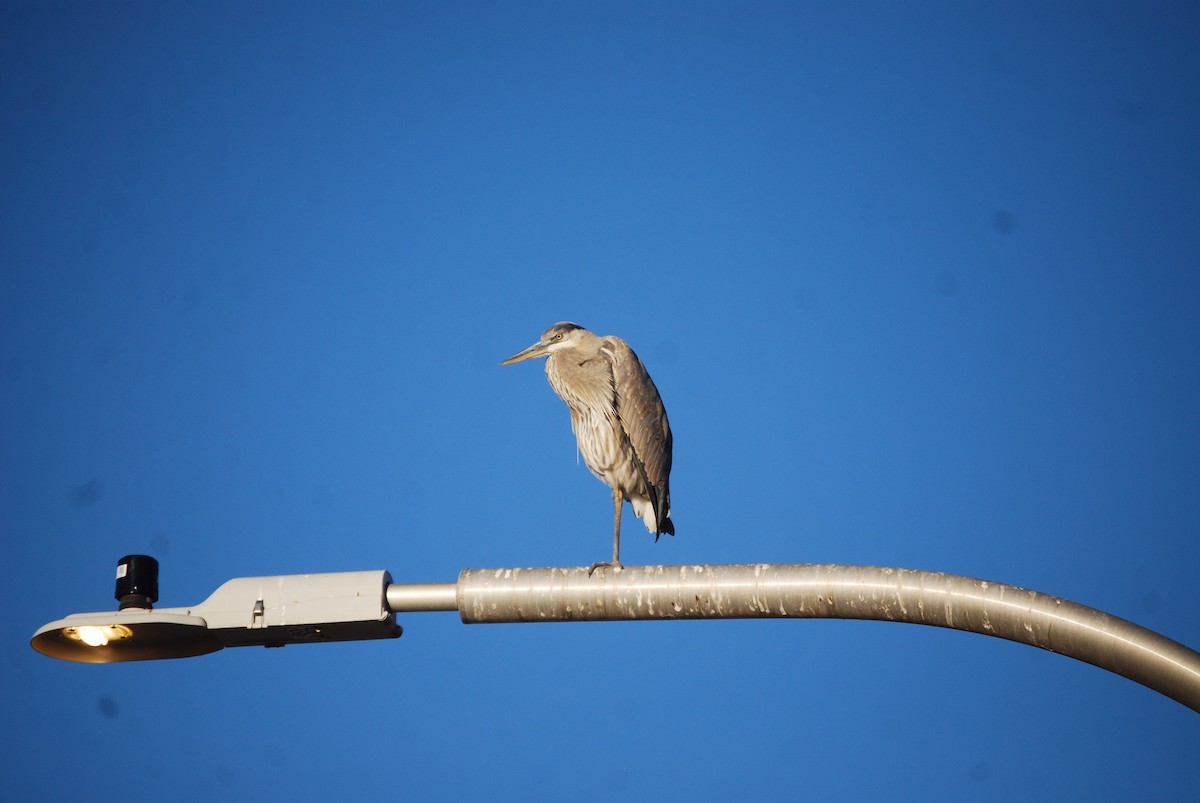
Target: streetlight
292	609
244	612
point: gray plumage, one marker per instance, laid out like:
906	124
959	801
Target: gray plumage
618	418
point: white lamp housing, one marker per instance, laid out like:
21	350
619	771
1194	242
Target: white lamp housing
244	612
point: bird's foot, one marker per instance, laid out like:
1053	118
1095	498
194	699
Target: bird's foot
605	565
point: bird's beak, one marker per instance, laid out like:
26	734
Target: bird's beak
538	349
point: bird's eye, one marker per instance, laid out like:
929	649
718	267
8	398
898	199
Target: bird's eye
558	336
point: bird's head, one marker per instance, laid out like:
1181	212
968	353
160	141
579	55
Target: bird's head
560	336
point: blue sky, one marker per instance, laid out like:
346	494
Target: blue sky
917	282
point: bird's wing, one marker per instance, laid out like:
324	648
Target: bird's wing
643	417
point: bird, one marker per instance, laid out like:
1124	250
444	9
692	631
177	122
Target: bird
618	418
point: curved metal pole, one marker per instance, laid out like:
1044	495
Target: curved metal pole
487	596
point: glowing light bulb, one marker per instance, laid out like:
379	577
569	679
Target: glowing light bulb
93	636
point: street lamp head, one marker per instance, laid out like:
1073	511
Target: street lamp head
246	611
136	632
132	635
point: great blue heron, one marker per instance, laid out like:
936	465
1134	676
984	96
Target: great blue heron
618	419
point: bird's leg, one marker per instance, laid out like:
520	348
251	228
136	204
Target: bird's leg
618	500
